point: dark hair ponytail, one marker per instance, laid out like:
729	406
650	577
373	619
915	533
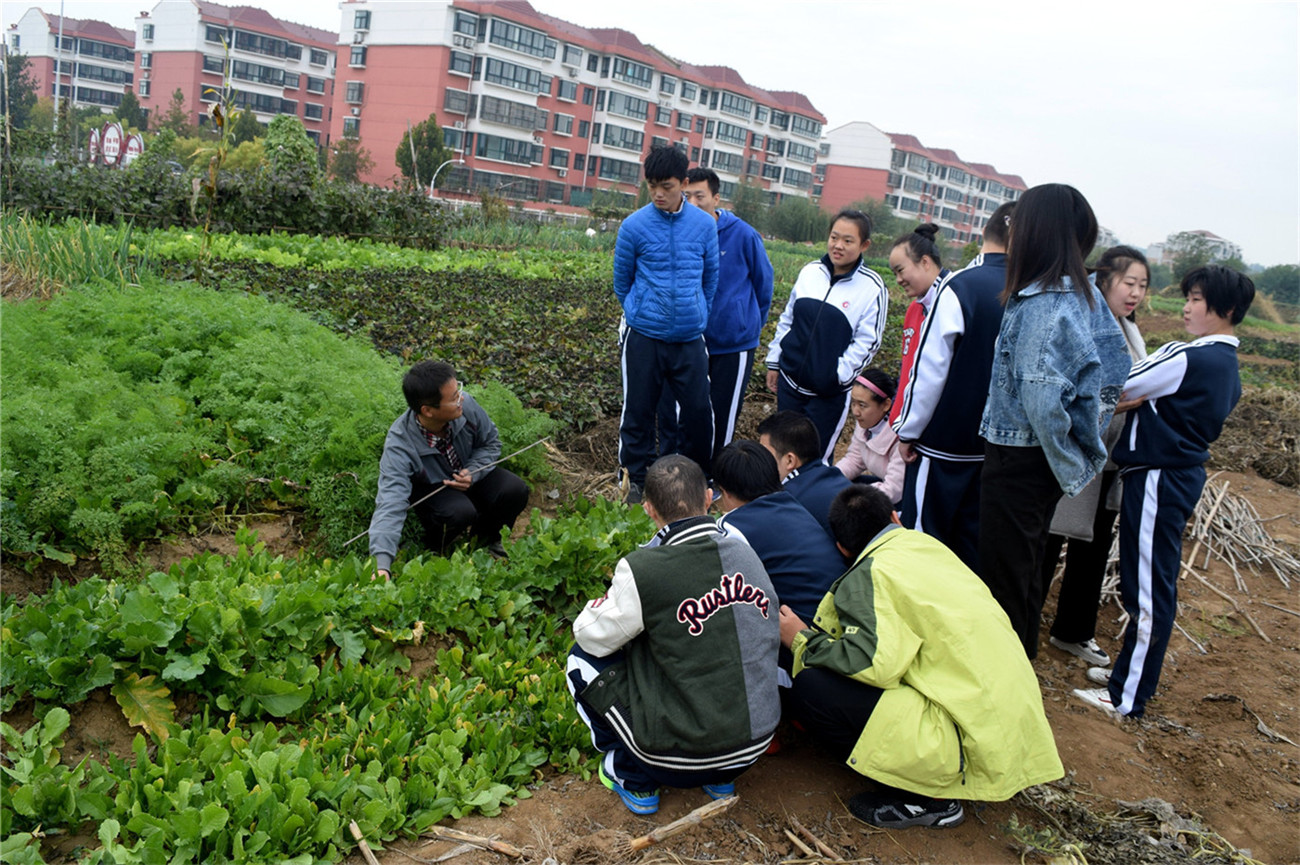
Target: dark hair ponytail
1052	232
921	243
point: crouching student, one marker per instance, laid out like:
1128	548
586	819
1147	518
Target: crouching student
674	669
1187	390
910	671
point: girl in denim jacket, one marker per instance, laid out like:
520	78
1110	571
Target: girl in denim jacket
1058	371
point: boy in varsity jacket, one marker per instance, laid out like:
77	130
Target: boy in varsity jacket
938	424
1186	390
830	330
675	668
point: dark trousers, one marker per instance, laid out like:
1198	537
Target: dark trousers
1085	569
619	762
728	377
650	367
1017	496
826	412
942	499
834	709
491	503
1155	509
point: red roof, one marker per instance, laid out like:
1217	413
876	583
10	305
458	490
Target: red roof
88	29
261	21
912	144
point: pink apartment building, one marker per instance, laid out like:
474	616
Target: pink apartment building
95	60
543	109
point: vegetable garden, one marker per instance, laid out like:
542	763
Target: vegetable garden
274	696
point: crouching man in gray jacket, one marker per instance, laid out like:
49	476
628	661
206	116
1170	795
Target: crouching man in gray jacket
444	439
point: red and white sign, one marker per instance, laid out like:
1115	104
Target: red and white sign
94	146
112	141
134	147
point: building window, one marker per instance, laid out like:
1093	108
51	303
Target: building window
688	90
595	132
771	172
146	31
259	74
760	114
563	124
805	126
572	55
593	62
699	124
663	116
657	141
911	205
14	41
355	92
311	111
695	154
620	171
507	149
708	129
568	91
358	57
579	161
776	145
453	101
559	158
912	184
292	80
627	106
728	162
758	142
351	127
704	95
267	45
144	88
146	60
516	114
513	75
684	121
317	85
798	179
584	127
319	58
461	64
667	84
624	139
361	21
521	39
731	133
216	34
592	164
801	152
736	105
466	24
588	95
632	73
214	64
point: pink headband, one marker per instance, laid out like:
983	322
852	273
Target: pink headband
862	380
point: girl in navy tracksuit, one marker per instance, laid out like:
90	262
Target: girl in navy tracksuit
1187	390
830	330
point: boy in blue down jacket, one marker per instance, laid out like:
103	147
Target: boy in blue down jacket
665	277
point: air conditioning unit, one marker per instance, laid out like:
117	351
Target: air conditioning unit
537	139
573	73
459	124
359	37
356	112
462	41
563	172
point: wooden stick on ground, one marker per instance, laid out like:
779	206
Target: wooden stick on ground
681	824
361	843
794	839
446	833
1283	609
825	850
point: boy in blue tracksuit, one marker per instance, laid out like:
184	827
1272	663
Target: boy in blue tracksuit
739	312
1186	390
665	276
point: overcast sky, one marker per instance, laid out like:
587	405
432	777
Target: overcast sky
1166	116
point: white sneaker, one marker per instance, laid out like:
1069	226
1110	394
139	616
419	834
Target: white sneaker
1098	698
1088	650
1098	675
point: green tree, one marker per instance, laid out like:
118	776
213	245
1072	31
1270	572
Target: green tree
1191	251
349	161
610	203
18	96
131	115
642	196
246	127
1162	276
426	140
289	149
750	204
1280	282
968	253
176	118
797	219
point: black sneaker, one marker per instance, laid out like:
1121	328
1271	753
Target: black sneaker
497	550
889	813
635	494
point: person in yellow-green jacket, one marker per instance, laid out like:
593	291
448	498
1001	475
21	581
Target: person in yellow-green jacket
911	672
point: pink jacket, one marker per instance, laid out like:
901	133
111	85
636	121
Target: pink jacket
876	456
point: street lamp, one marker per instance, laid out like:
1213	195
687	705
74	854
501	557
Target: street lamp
458	160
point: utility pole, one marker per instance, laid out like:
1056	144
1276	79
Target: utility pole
58	68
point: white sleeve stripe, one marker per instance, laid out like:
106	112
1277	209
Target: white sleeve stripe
1159	375
932	365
